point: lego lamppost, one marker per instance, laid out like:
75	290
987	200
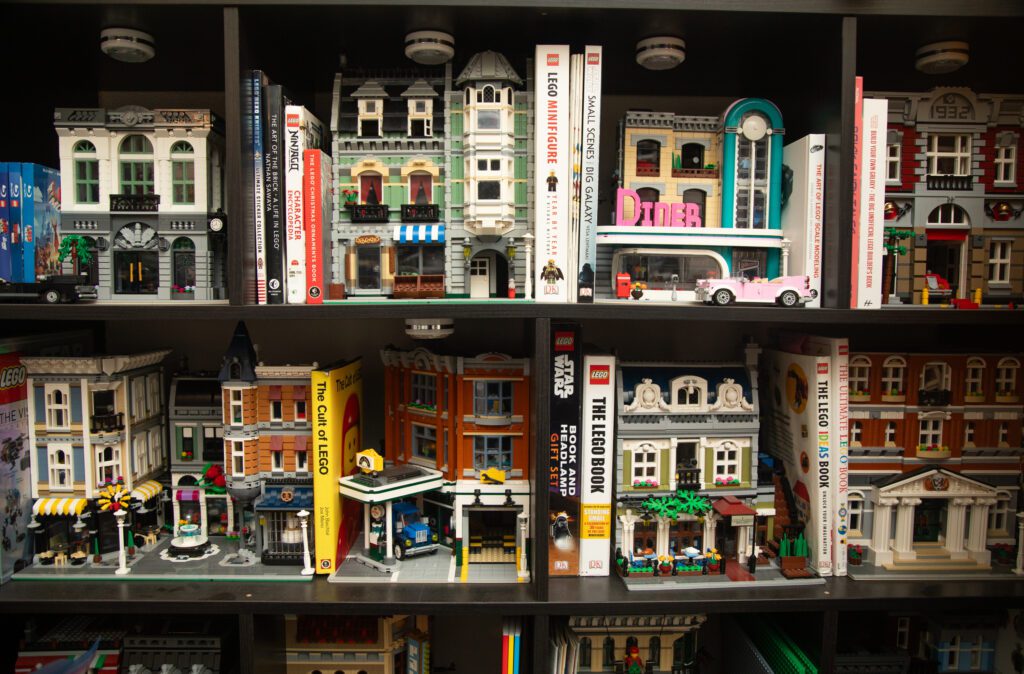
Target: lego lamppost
307	566
510	251
122	562
528	245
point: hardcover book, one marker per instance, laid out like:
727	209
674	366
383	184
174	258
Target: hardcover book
27	218
273	114
337	437
317	202
591	140
14	217
564	451
302	131
46	207
597	470
858	133
551	138
256	84
871	228
803	212
5	225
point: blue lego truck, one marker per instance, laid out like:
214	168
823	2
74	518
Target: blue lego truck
412	536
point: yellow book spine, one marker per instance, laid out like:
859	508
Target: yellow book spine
326	500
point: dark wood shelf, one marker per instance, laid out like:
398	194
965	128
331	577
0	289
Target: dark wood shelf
851	7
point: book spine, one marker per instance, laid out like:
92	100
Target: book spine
551	137
48	232
295	233
274	226
872	200
822	509
591	140
14	181
5	224
841	449
28	223
598	440
317	180
858	130
326	471
259	207
575	166
813	241
564	465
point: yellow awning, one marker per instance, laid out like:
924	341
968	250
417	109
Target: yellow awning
59	506
147	490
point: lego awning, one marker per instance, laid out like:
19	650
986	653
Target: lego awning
146	491
419	234
946	234
729	506
59	506
187	495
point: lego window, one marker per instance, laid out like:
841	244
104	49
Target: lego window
104	411
420	188
856	429
59	462
487	190
213	444
750	216
969	433
689	392
187	446
237	457
276	410
698	197
949	154
136	166
691	157
930	433
300	410
890	434
138	391
58	407
492	398
672	269
371	188
488	94
654	651
585	647
87	173
855	510
646	467
153	389
999	253
492	451
1006	376
1005	160
424	442
893	371
727	460
998	515
183	174
892	163
301	462
419	259
648	158
608	652
902	633
974	377
860	375
236	407
1003	439
488	119
424	391
277	460
368	267
935	377
156	455
108	463
421	127
948	214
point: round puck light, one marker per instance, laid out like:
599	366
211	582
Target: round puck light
127	45
660	53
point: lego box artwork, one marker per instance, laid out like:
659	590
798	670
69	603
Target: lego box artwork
13	462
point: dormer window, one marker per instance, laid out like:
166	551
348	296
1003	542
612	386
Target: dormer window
421	121
371	118
689	394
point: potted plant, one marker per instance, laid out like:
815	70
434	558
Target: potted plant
793	555
855	554
713	559
664	565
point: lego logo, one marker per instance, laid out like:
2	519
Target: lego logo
600	375
844	349
552	59
293	120
564	341
593	59
12	377
822	368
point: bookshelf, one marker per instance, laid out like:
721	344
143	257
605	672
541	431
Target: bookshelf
802	54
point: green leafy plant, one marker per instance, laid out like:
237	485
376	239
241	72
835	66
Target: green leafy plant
683	501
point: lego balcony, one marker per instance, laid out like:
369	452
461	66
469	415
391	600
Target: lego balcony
420	213
106	423
490	219
932	452
695	173
688	479
368	212
950	183
933	398
134	203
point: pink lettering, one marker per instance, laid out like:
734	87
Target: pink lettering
620	218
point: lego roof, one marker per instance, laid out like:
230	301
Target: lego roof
370	90
488	66
419	89
196	393
240	350
662	375
890	480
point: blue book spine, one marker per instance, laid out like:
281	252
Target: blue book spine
5	225
28	222
14	213
47	198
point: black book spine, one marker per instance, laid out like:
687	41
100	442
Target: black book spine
274	222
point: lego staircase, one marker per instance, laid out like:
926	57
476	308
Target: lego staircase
934	557
785	503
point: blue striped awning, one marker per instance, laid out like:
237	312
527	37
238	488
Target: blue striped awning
419	234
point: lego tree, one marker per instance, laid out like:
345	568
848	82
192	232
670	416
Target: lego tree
77	248
893	247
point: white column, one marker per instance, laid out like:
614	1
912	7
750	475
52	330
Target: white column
176	507
710	524
389	554
956	521
628	521
786	243
523	529
979	531
661	547
122	561
1019	570
366	527
307	566
202	512
904	540
528	288
880	530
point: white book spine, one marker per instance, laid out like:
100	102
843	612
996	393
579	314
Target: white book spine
823	411
295	233
591	139
595	529
802	214
841	478
872	186
551	156
575	165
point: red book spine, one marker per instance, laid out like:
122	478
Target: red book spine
314	219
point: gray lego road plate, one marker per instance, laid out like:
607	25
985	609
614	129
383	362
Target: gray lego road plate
422	569
872	572
149	565
766	577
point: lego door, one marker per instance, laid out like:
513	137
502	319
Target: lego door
944	257
480	277
136	272
929	520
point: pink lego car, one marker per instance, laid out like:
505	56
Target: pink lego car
788	291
